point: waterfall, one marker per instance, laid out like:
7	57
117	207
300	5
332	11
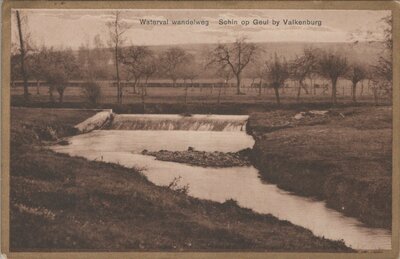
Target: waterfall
178	122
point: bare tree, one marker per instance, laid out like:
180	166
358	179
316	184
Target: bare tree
15	68
260	72
92	91
22	51
383	71
236	56
187	71
256	71
332	66
98	59
61	68
149	68
117	28
133	59
356	73
380	75
37	66
172	61
302	67
387	30
276	74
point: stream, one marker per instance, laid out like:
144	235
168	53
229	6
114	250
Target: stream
129	135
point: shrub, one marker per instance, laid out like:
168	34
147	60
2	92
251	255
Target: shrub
92	92
177	187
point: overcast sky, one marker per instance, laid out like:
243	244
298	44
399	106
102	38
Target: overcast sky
72	28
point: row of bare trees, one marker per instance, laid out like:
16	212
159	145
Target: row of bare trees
137	64
56	67
275	71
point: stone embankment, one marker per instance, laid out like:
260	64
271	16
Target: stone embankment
202	158
98	121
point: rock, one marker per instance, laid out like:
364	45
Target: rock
63	142
299	116
318	112
313	113
186	114
190	148
202	158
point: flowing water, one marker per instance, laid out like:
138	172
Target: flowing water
218	184
196	122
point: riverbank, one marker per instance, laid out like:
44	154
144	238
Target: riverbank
202	158
59	202
343	157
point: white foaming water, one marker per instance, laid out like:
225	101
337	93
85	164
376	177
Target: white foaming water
177	122
220	184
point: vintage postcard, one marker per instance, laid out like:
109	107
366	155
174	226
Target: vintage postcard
200	129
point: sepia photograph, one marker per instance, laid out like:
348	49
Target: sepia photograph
200	130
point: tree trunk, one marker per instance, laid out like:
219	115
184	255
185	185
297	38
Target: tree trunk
119	90
354	91
314	89
191	85
219	93
22	50
143	96
225	86
37	87
51	94
134	85
299	91
305	88
369	85
145	88
362	88
260	87
334	99
61	95
375	92
186	91
278	101
238	84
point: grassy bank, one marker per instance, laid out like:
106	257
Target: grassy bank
60	202
343	157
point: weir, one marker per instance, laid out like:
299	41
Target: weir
179	122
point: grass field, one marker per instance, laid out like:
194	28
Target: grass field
344	158
202	95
